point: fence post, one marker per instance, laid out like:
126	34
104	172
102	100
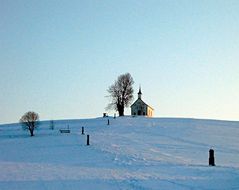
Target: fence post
108	122
88	140
211	158
82	131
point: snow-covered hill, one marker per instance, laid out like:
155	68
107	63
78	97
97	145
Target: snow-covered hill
130	153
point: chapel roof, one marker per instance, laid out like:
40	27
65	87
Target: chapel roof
142	102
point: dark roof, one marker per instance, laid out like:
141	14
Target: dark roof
143	102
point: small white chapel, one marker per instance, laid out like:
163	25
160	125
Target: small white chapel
139	107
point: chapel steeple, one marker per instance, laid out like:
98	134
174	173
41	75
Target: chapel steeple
139	93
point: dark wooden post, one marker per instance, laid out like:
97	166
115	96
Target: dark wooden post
88	140
211	158
82	131
114	116
108	122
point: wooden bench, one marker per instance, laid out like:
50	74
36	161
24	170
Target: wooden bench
65	130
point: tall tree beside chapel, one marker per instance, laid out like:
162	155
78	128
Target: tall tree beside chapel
121	93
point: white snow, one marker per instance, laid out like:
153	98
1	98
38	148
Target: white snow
130	153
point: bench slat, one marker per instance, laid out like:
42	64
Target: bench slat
65	130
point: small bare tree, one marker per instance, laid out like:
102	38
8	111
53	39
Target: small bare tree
29	121
121	93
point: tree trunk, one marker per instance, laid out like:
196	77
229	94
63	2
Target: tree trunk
31	132
121	111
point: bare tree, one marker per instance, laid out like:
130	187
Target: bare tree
121	93
29	121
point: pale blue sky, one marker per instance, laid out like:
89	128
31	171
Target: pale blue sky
59	57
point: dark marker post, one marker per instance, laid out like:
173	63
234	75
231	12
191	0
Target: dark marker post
88	140
82	131
211	158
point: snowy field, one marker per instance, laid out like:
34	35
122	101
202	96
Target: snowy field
131	153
